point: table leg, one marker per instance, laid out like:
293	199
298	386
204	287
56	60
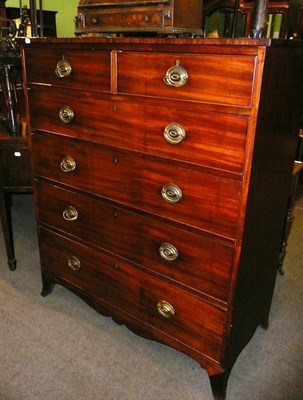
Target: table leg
6	221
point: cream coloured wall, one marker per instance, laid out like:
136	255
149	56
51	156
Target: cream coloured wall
67	10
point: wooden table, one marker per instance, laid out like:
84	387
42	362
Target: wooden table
15	177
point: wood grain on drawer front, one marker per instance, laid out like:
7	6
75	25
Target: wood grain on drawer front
94	73
201	263
208	202
225	79
214	140
195	323
118	18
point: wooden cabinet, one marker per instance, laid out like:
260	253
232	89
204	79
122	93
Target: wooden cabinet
162	170
158	16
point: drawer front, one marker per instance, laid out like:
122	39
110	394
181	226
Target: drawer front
190	197
123	18
94	73
225	79
210	139
185	318
194	261
213	140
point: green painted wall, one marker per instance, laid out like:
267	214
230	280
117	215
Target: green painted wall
67	10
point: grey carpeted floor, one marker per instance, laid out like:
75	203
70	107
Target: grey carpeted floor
58	348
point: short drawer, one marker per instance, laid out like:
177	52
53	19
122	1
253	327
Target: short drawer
66	68
189	197
192	260
163	309
195	137
211	78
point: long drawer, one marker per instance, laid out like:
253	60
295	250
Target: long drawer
210	139
121	19
161	308
70	71
226	79
189	197
190	259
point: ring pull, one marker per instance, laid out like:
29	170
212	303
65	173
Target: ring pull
66	114
70	214
176	76
174	133
68	164
63	69
74	263
171	193
168	252
165	309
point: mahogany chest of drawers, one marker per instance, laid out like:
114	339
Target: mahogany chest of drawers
162	169
159	16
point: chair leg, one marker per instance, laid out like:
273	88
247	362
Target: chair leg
7	227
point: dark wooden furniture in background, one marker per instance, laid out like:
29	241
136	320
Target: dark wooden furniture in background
15	167
15	177
291	13
2	11
49	20
297	169
158	16
2	8
162	171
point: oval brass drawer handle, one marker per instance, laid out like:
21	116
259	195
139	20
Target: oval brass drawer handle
174	133
68	164
74	263
70	213
168	252
176	76
66	114
171	193
63	69
165	309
